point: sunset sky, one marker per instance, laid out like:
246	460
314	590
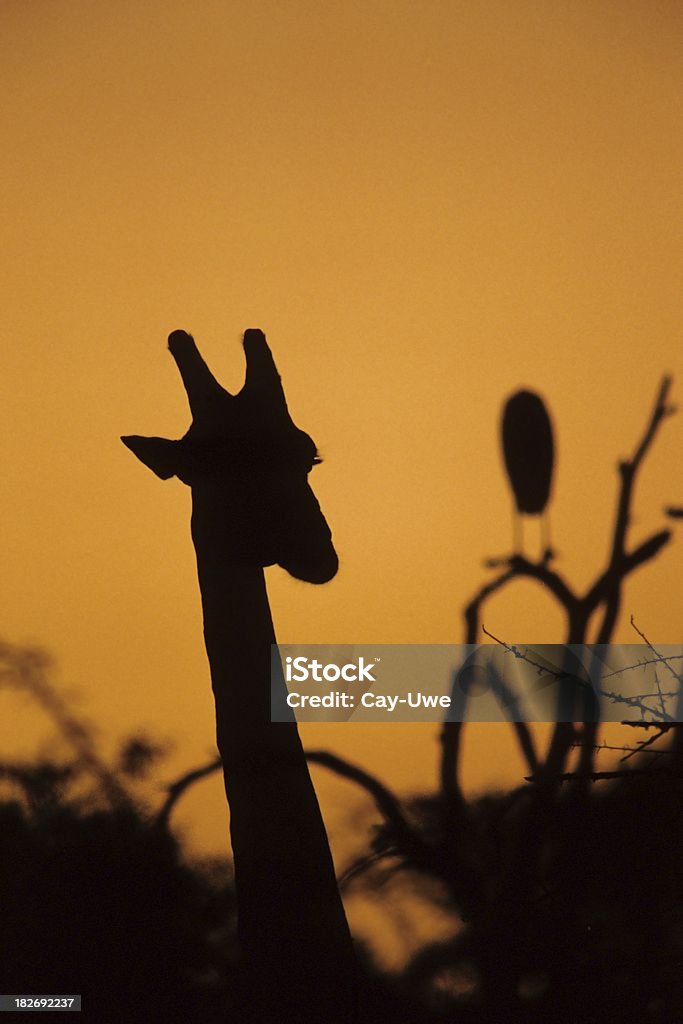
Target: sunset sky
424	205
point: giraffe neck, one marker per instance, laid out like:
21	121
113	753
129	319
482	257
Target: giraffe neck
291	922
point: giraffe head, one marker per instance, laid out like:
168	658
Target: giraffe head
246	462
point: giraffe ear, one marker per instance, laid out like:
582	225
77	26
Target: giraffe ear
158	454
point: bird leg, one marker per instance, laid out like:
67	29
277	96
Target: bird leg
546	545
517	533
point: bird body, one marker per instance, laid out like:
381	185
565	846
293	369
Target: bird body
529	453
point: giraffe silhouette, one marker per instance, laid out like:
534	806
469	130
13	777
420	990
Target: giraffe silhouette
247	465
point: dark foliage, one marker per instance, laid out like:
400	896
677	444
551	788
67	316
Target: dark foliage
99	901
570	912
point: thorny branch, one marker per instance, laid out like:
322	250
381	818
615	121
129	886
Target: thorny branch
634	701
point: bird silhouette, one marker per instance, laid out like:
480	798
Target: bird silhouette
529	453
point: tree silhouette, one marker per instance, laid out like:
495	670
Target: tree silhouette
95	897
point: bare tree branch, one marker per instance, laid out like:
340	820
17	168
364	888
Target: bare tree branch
605	590
386	802
177	788
628	471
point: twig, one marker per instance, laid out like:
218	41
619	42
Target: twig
644	745
658	656
615	698
664	726
643	664
629	751
386	802
631	773
177	788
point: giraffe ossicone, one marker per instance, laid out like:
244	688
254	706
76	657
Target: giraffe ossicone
246	451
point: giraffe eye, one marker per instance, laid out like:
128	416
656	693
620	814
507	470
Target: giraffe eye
304	451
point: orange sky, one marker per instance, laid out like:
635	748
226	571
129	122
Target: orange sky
425	206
